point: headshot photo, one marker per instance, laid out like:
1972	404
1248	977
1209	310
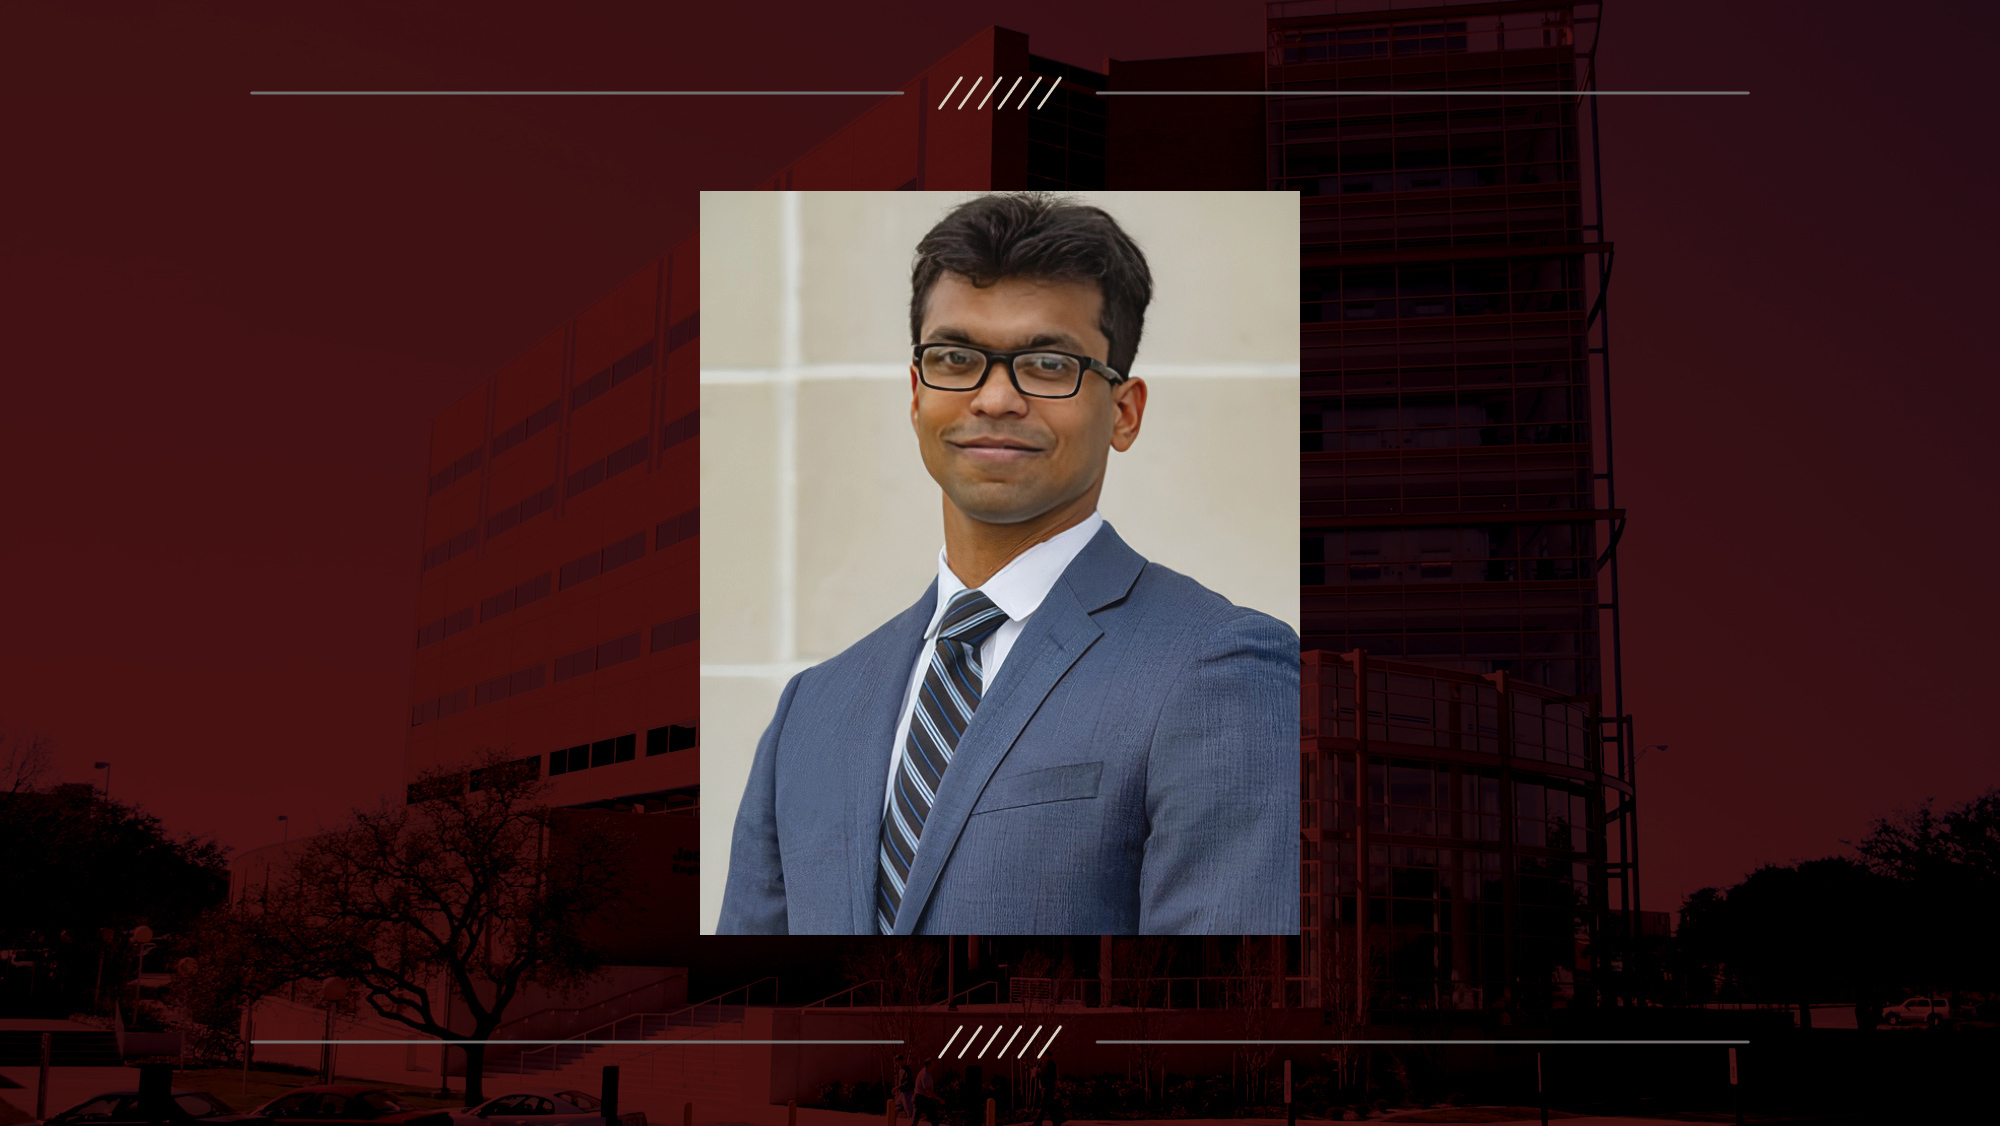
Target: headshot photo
999	587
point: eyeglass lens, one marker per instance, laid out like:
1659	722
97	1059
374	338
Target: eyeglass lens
1049	374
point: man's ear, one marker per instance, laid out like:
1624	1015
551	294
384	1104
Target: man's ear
913	396
1128	406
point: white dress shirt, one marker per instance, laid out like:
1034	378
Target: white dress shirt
1017	589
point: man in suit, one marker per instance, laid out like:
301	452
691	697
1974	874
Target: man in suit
1059	737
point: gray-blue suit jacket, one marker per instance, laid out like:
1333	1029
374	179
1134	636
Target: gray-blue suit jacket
1132	769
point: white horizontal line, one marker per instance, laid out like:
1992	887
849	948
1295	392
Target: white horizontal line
551	1043
565	93
776	670
1437	93
718	376
1407	1043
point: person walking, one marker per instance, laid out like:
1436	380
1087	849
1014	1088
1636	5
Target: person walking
926	1096
904	1087
1042	1078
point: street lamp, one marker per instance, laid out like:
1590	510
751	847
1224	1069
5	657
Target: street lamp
106	768
286	821
142	939
332	992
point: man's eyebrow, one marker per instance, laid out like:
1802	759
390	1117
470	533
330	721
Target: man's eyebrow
948	334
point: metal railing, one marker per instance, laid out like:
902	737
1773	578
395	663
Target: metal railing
851	993
1212	992
964	996
700	1018
537	1024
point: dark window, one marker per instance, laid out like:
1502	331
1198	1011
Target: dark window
576	664
627	456
582	569
674	529
603	751
588	477
617	652
680	631
682	429
684	331
627	745
590	389
634	362
579	757
527	428
674	737
625	551
451	549
527	768
558	763
461	468
532	590
459	622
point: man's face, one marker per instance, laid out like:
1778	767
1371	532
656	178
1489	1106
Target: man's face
1002	457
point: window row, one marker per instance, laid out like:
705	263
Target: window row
527	508
460	468
682	429
588	566
1425	374
1371	42
685	331
1490	553
667	635
623	748
528	427
451	549
610	465
629	365
672	530
594	657
506	687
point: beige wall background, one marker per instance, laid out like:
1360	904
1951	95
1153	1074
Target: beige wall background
819	522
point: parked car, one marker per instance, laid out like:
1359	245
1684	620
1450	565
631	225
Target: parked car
115	1107
1921	1010
326	1103
541	1106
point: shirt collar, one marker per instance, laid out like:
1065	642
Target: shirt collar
1019	587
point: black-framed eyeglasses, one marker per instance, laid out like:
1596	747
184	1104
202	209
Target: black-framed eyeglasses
1035	372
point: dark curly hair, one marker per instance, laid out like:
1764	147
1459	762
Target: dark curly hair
1036	235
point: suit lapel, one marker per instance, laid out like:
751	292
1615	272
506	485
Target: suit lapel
878	703
1056	635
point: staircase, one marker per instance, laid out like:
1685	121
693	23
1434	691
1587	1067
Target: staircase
669	1065
663	1059
91	1048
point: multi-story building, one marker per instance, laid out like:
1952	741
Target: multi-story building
1463	846
556	606
1470	845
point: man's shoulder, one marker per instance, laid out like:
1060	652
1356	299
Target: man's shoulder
1164	598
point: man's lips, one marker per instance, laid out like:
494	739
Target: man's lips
995	449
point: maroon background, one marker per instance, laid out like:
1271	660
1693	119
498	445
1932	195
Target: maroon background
229	319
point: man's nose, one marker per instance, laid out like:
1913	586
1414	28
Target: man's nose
997	395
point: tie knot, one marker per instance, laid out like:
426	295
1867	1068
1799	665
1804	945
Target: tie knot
969	617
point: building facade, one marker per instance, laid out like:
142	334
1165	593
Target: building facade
1467	805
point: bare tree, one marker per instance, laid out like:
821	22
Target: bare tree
907	970
1138	982
1251	998
465	894
25	760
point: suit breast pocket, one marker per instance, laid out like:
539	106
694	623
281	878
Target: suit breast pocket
1039	787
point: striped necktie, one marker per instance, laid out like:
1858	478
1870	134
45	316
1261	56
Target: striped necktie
944	706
